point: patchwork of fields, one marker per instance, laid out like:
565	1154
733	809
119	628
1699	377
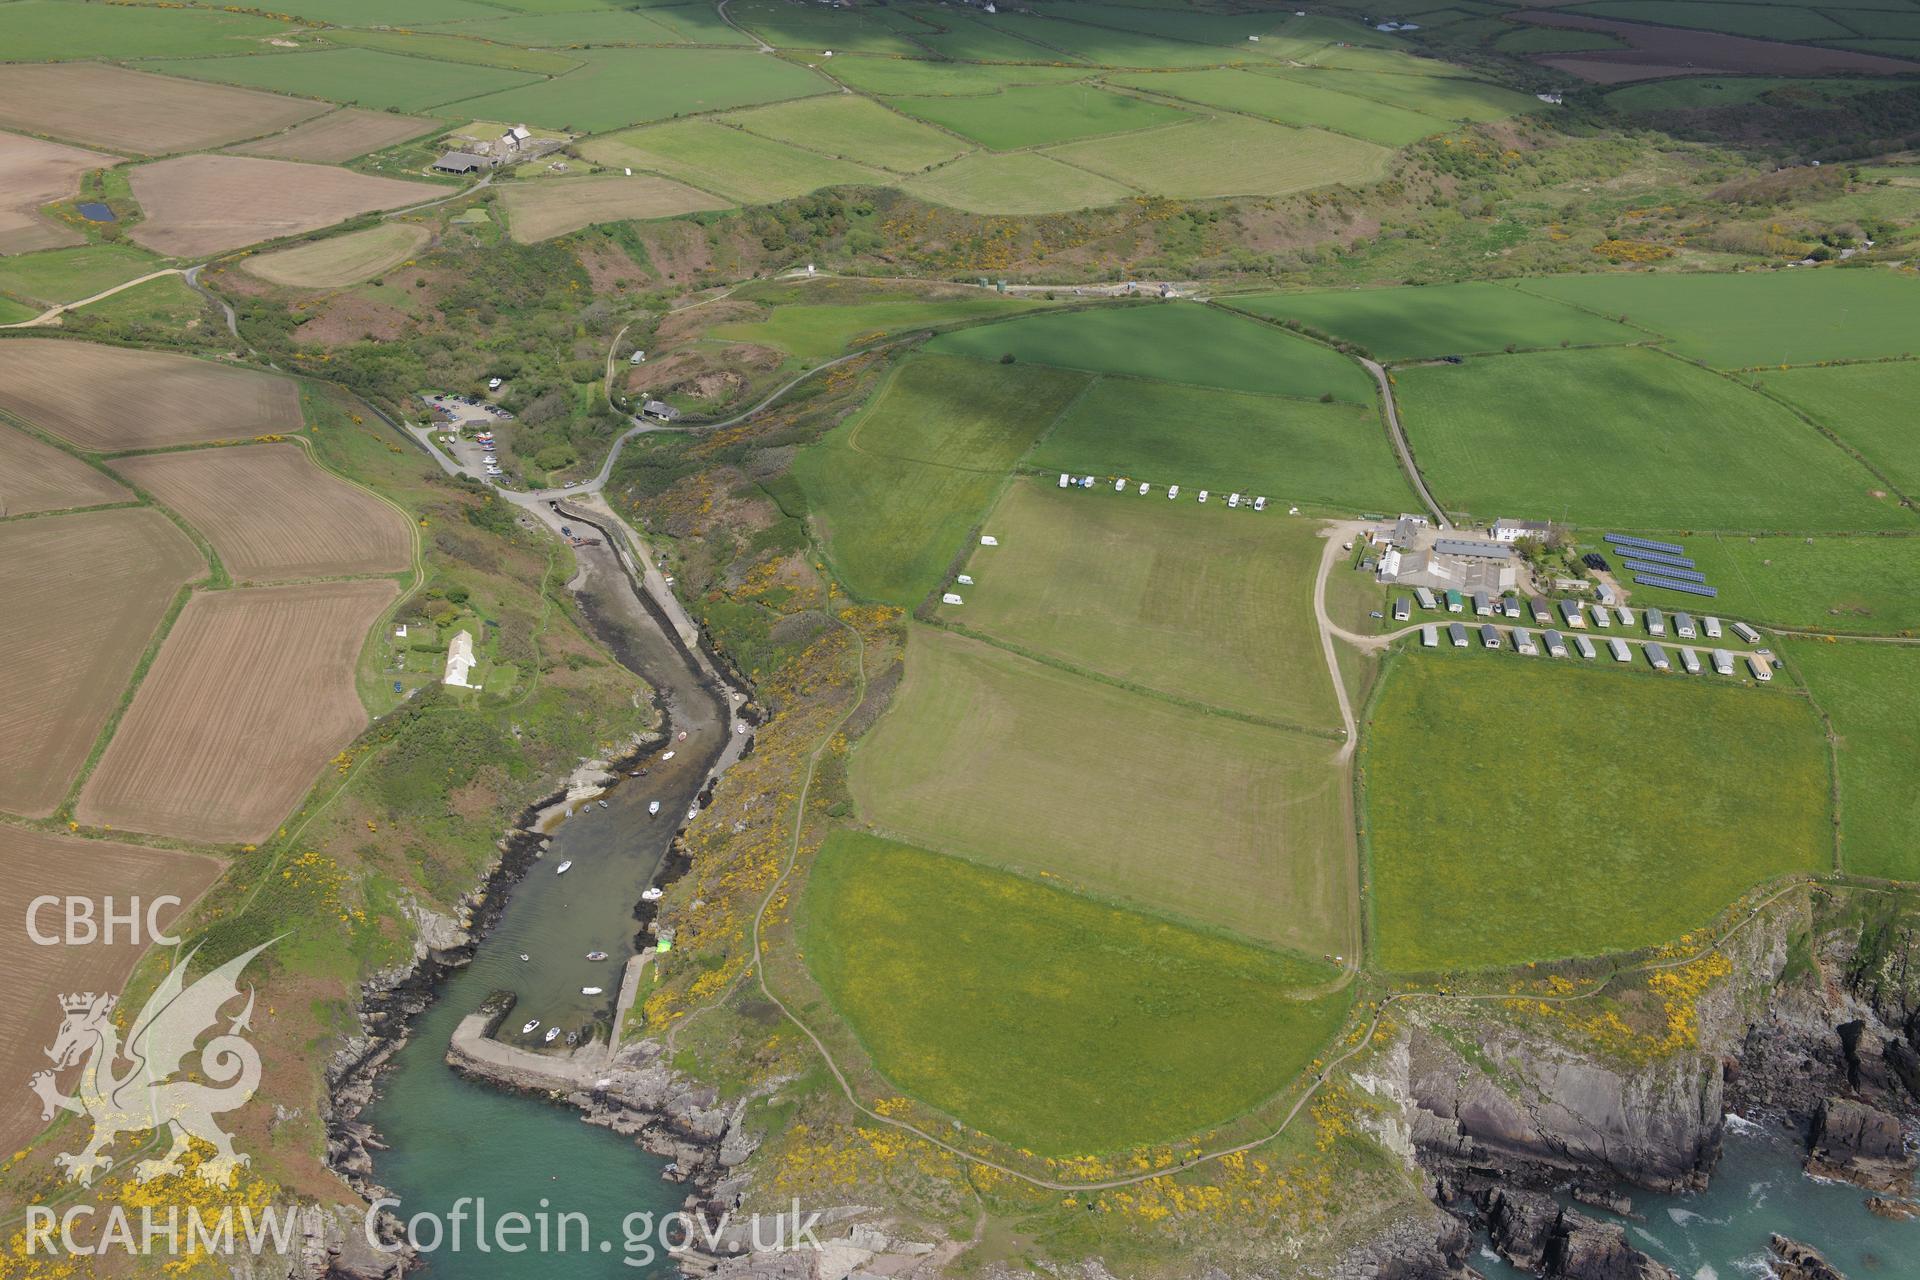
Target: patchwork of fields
85	394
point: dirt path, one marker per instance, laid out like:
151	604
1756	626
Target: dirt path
52	314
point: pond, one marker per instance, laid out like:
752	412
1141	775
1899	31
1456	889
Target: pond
94	211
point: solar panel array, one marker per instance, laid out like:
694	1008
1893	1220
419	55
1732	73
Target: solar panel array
1662	557
1621	540
1674	584
1663	570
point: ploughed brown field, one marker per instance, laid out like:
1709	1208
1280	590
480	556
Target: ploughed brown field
346	133
39	863
106	398
552	207
1657	51
38	477
33	173
272	513
251	694
125	110
96	586
202	204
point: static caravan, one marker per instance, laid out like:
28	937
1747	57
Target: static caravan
1523	642
1489	637
1430	636
1425	597
1483	604
1510	606
1602	616
1626	617
1455	602
1657	658
1746	633
1402	610
950	598
1585	646
1690	662
1723	662
1573	614
1538	607
1619	649
1761	668
1457	634
1683	626
1556	644
1066	481
1656	623
1605	593
1711	628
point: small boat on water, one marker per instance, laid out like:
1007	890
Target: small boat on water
530	1028
562	868
596	955
667	756
693	811
524	956
681	737
553	1033
653	808
638	773
603	804
653	894
573	1037
593	991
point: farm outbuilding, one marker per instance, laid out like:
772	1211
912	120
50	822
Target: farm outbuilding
458	162
460	660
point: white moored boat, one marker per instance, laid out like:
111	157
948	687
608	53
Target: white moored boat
592	991
653	808
553	1033
562	868
653	894
530	1028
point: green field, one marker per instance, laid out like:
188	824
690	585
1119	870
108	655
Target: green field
1175	342
615	88
1693	92
1735	321
590	27
894	492
358	77
1868	406
852	128
1295	452
363	13
55	30
812	332
1036	115
1442	96
1198	603
13	312
1436	320
1842	584
1228	156
863	30
1294	100
968	38
1182	812
456	48
1110	46
897	77
1627	436
1523	810
1525	40
1765	21
1871	693
727	161
1023	1010
64	275
1020	182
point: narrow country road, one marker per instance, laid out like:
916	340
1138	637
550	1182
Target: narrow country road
1418	481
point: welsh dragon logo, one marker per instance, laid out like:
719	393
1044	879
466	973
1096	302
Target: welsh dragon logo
134	1088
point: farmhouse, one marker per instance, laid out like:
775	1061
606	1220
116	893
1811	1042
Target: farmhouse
1460	564
460	660
1505	530
659	409
1403	533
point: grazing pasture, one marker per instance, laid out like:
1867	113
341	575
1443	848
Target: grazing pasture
1692	93
1735	321
34	173
66	275
599	27
1841	584
1294	100
1627	436
96	586
39	477
898	77
356	77
1020	182
614	88
1443	97
1228	156
1294	451
1035	115
741	166
864	30
1868	406
1657	50
39	863
252	692
1183	812
341	260
811	332
1173	341
133	111
337	136
270	512
1764	21
852	128
453	47
1021	1009
1871	694
85	394
894	491
201	204
1553	825
552	207
1437	320
362	13
1107	46
1197	603
32	30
